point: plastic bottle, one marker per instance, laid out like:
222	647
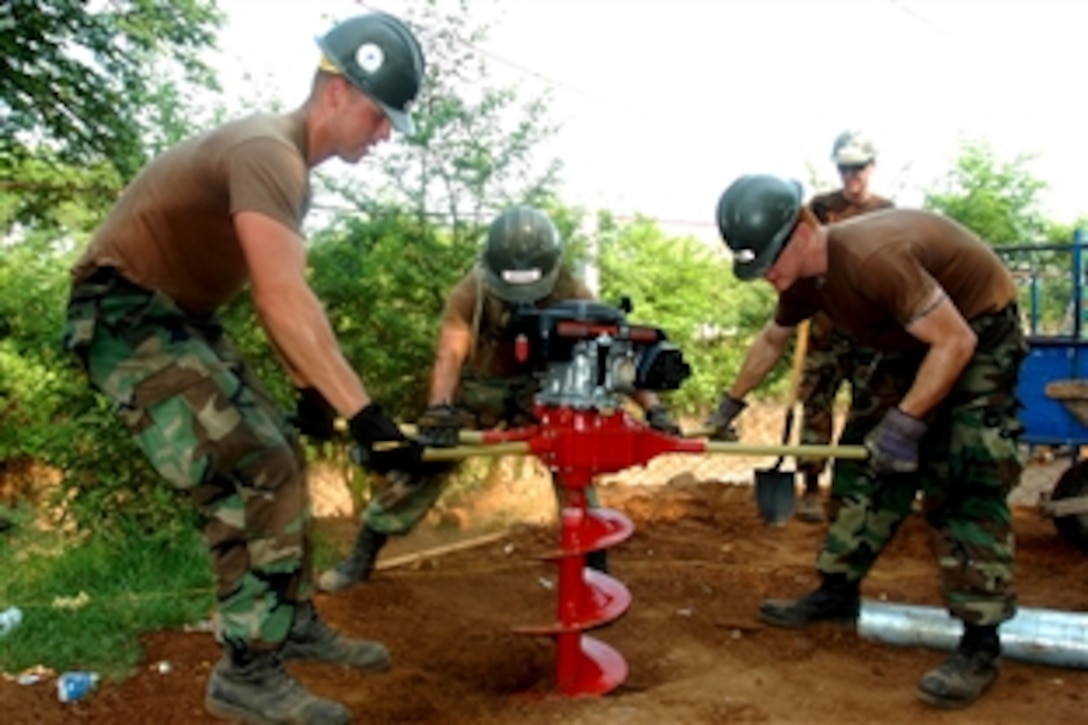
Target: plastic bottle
10	618
74	685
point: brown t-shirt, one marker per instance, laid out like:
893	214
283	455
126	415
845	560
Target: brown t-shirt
834	206
172	229
883	268
492	354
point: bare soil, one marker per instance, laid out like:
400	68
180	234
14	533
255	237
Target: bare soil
698	564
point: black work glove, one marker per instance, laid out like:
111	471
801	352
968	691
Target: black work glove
313	415
440	426
893	444
381	445
720	421
658	418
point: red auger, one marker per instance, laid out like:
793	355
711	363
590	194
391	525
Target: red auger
587	356
576	445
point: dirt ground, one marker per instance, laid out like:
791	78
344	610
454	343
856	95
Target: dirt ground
698	565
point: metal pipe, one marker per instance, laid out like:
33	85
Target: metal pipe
1034	635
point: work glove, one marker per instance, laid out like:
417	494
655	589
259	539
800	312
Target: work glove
440	426
893	444
658	418
381	445
313	415
720	421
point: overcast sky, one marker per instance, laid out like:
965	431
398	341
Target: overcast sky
662	104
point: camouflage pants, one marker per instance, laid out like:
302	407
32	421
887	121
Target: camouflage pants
969	463
832	359
492	403
210	429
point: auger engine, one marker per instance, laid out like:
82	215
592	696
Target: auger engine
589	356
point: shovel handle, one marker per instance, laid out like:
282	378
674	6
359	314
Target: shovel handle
456	453
856	453
469	437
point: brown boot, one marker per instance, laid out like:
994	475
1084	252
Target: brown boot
810	508
311	639
255	688
968	673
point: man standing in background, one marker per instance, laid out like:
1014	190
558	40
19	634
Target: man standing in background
832	357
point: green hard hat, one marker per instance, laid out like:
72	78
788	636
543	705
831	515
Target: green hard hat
381	57
522	255
755	217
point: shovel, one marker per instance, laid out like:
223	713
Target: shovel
776	490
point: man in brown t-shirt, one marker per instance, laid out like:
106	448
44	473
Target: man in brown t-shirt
832	357
216	213
476	376
939	306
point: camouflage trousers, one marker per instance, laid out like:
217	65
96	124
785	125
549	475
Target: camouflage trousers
832	359
211	430
970	461
492	403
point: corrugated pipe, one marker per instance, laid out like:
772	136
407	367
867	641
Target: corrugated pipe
1034	635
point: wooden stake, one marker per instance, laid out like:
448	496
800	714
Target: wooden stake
406	559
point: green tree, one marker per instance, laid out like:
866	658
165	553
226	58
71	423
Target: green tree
77	80
87	93
687	288
998	199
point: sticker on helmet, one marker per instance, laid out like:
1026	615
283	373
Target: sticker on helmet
369	57
744	256
521	276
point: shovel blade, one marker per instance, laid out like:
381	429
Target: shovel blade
776	495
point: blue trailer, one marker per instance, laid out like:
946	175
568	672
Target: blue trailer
1054	376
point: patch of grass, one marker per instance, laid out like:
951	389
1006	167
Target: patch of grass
127	585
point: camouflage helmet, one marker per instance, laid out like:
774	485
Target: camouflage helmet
756	215
381	57
522	255
851	148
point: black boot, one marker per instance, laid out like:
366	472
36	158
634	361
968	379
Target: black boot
310	638
358	566
968	673
837	601
597	560
253	686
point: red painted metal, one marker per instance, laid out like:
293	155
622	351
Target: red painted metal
576	445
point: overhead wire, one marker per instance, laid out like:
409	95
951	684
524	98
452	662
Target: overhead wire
919	18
